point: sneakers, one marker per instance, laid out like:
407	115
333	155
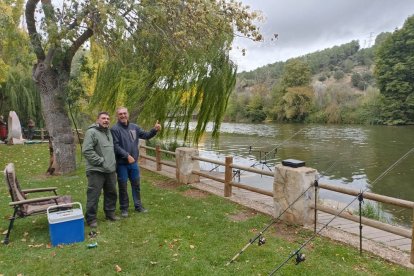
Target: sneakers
112	217
124	213
93	224
141	209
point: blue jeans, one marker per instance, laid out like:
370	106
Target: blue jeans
131	172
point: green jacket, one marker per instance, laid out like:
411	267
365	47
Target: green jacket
98	150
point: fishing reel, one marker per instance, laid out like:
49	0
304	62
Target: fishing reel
300	257
261	241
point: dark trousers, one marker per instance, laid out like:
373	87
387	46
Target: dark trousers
30	133
96	182
131	172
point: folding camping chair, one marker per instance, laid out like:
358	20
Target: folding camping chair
23	206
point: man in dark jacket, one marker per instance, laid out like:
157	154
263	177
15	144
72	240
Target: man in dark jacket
98	149
126	138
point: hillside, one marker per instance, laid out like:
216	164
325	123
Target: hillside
336	80
334	65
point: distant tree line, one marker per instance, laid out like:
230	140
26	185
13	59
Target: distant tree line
342	84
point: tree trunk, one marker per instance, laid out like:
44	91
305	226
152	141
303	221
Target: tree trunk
52	87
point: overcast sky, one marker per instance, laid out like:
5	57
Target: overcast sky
305	26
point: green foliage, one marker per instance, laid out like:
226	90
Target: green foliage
332	57
339	74
19	94
179	70
297	103
394	73
236	109
255	110
296	73
17	91
293	97
372	211
322	78
362	80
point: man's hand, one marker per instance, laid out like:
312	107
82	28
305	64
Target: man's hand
157	126
131	159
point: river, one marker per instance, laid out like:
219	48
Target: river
353	156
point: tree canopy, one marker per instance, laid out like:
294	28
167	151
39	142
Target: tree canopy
394	72
17	92
174	65
169	57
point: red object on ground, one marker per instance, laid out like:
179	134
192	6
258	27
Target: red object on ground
3	132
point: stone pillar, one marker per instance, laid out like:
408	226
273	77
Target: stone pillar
289	184
142	151
185	165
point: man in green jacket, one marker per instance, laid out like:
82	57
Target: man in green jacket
98	150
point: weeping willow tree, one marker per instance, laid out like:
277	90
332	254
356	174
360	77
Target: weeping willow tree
201	87
175	64
59	29
17	91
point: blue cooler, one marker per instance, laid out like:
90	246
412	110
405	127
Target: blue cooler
66	226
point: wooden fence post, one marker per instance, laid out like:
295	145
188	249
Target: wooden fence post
228	173
42	134
158	157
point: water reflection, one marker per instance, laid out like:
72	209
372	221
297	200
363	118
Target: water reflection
345	155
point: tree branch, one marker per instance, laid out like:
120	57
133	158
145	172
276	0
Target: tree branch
77	44
31	28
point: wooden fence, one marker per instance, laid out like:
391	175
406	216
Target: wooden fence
229	183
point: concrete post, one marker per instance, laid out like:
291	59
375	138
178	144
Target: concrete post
142	151
185	165
289	184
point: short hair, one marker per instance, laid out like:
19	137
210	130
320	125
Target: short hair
121	107
102	112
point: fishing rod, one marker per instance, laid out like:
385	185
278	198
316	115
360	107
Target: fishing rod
259	237
300	257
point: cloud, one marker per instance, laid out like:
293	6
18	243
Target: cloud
305	26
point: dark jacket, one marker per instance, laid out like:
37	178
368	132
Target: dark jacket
126	140
98	149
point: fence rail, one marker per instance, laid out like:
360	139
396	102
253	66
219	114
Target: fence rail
369	195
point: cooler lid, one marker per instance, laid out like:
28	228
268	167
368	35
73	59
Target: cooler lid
66	215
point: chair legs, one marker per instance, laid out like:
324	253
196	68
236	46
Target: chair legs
6	239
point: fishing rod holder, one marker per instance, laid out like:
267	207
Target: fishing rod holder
237	173
261	161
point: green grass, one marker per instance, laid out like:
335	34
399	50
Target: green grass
181	235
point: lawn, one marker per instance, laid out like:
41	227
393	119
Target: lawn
186	232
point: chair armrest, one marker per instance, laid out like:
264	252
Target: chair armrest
26	191
33	200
